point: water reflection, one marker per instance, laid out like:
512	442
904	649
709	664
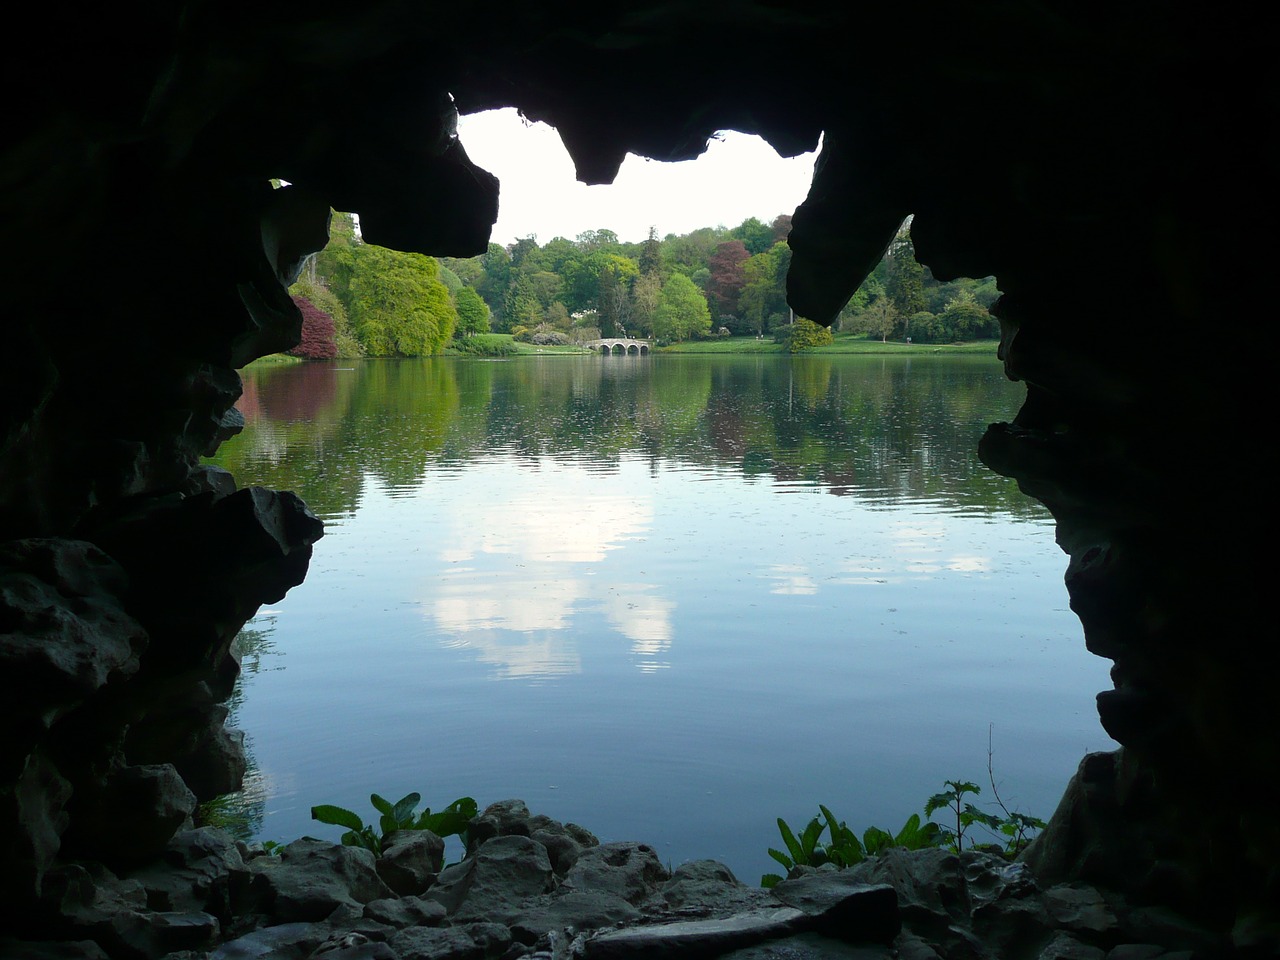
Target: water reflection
653	584
880	429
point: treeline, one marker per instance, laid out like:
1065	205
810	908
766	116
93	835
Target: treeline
712	282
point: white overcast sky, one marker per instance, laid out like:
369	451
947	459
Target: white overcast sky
738	177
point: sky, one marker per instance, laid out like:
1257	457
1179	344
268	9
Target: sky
739	176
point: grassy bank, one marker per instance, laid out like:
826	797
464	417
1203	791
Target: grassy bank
844	343
493	345
272	360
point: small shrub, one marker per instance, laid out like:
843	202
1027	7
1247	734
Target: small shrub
453	820
486	345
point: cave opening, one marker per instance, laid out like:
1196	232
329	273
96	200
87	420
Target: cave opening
129	566
500	594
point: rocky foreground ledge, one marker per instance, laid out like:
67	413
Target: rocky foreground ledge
531	887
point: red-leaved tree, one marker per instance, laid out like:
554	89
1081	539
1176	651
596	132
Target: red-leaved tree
318	341
726	281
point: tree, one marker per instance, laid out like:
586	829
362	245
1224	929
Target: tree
880	318
966	319
726	280
324	299
682	310
521	307
522	249
645	293
558	317
318	333
473	313
593	240
904	280
651	255
399	307
804	334
757	237
764	291
497	277
614	297
781	227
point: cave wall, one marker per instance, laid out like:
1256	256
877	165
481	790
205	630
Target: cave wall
1112	167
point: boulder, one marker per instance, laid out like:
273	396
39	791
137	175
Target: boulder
628	870
492	882
410	861
310	879
841	906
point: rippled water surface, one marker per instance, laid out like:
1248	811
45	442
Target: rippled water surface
671	598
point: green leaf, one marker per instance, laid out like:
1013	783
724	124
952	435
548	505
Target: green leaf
770	880
782	858
338	816
938	801
809	839
930	835
874	840
454	819
404	807
388	824
379	804
910	828
789	838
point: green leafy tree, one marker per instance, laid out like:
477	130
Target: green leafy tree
878	320
613	300
690	252
757	237
399	307
522	249
645	294
558	317
904	279
651	255
593	240
764	291
521	307
682	310
473	312
496	263
805	334
966	319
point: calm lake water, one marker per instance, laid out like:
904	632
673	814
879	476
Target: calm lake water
669	598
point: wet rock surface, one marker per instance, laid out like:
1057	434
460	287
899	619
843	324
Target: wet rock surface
210	898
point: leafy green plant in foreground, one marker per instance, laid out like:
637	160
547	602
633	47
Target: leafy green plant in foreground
966	813
453	820
844	849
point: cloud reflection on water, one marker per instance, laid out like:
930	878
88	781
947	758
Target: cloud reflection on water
520	571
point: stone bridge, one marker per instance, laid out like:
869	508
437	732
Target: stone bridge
620	345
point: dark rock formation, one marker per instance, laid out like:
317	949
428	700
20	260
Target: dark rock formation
211	900
1112	167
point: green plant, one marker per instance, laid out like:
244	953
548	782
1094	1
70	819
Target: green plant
966	813
914	835
804	850
844	849
453	820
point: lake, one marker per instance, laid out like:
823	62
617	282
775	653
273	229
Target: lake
670	598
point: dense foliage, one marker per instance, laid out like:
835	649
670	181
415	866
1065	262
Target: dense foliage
677	288
318	333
